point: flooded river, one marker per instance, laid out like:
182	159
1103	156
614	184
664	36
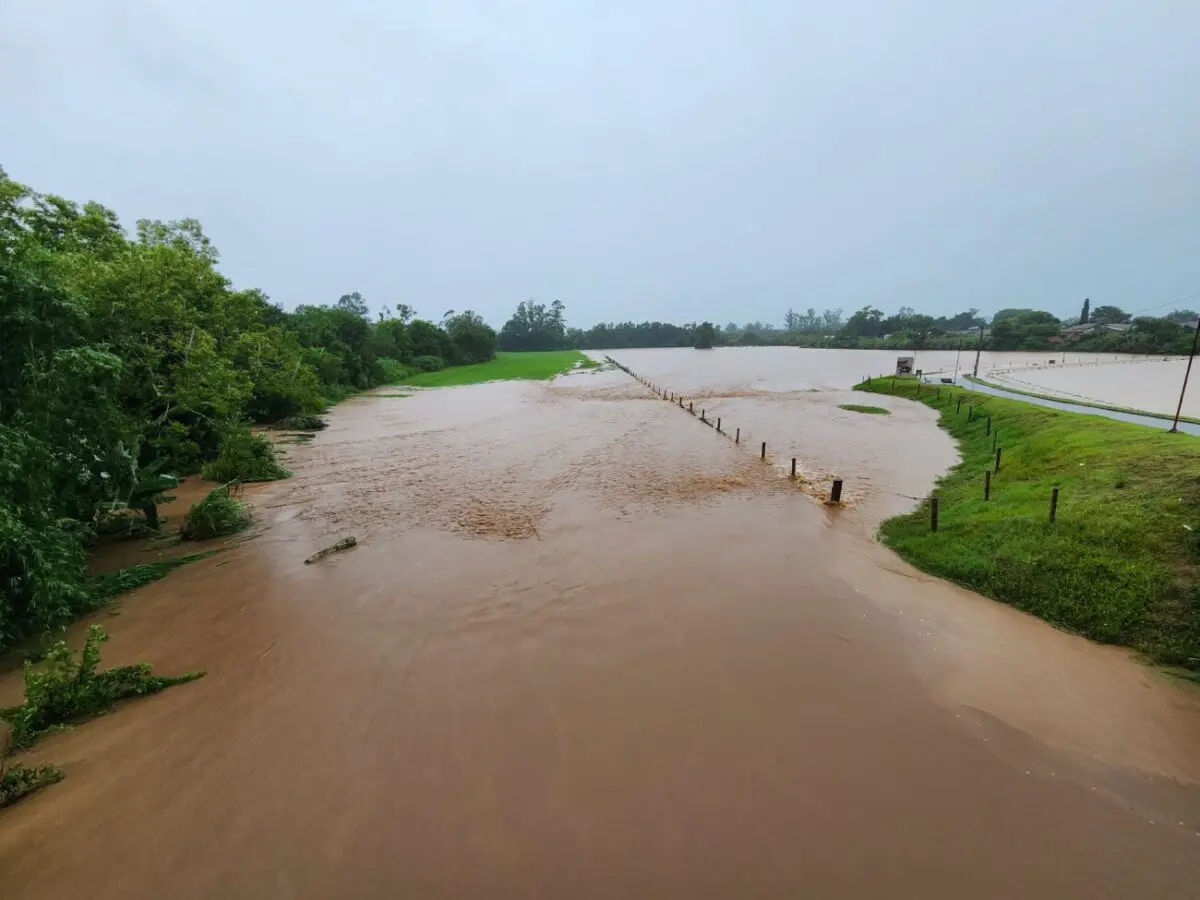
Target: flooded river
588	647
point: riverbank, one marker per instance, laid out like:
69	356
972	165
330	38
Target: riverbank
505	367
1121	563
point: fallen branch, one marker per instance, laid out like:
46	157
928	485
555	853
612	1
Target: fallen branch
343	544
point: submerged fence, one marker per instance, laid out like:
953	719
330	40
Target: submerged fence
933	393
835	492
956	398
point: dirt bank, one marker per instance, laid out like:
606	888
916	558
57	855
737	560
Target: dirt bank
588	648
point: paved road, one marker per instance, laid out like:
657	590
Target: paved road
1135	418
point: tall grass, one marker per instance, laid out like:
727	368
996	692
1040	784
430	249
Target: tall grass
220	513
244	456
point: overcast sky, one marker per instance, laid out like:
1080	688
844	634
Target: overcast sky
635	159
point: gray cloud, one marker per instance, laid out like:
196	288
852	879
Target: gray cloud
669	159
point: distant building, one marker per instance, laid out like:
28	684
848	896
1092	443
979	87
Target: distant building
1075	332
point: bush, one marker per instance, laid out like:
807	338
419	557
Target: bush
244	457
18	782
66	691
217	514
301	423
429	363
393	371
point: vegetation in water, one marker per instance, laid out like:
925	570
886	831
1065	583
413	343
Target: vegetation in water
302	422
111	584
218	514
1121	564
65	690
869	410
17	781
245	456
505	366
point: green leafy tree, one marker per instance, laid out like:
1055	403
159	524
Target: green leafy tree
1085	313
705	335
1110	315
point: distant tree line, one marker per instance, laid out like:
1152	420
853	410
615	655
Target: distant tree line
536	327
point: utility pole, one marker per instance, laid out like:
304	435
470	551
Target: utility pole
1187	372
978	350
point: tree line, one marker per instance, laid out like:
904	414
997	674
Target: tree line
128	360
537	327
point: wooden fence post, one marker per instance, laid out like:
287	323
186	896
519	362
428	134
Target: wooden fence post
835	495
1053	505
933	514
737	438
763	455
999	450
987	485
793	467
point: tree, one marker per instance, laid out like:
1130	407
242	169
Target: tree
535	327
704	336
1084	313
474	341
1183	317
867	322
1026	330
1109	315
791	320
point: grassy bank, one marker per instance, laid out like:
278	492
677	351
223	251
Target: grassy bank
505	367
1122	562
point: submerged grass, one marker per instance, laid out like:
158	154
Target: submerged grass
506	366
218	514
1122	562
110	584
869	410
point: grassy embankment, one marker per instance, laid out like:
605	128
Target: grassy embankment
869	410
1122	562
506	366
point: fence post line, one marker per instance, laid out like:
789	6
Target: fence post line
999	450
835	494
718	424
763	455
701	415
691	407
989	426
1053	505
970	413
987	485
737	438
958	408
933	514
793	467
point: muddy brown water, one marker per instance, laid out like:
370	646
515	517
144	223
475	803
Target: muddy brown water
586	647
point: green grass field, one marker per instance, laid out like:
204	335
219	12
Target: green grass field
869	410
505	367
1122	562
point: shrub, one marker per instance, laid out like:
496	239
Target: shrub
302	423
67	691
244	457
219	513
429	363
18	782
